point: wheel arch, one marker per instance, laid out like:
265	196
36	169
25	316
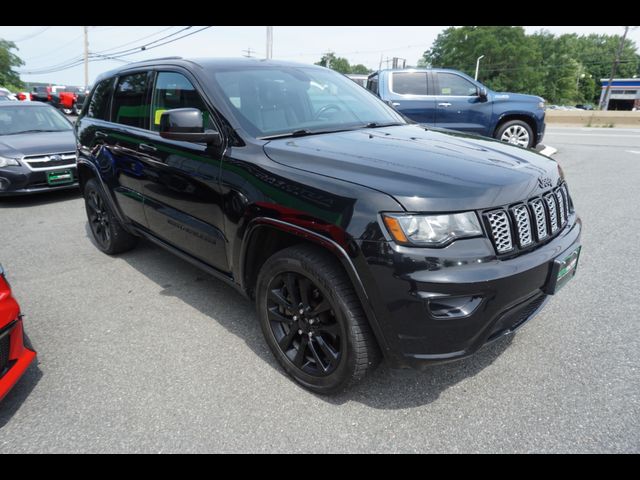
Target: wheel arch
273	235
525	117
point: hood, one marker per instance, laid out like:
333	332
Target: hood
424	170
516	97
16	146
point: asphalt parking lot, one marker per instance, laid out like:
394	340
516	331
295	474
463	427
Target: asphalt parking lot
145	353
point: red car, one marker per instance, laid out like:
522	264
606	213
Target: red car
15	358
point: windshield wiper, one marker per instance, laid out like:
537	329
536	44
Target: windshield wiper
34	131
380	125
303	132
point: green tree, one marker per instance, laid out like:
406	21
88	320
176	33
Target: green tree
338	64
509	62
8	60
341	65
361	69
562	69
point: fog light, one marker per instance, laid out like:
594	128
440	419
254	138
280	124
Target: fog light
4	184
453	307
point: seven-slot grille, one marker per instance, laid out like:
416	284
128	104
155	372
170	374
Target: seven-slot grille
53	160
527	223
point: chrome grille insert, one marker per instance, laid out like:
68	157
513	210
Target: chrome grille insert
553	212
500	230
537	207
563	212
522	224
51	161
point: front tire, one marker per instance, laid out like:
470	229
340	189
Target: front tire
312	320
105	228
515	132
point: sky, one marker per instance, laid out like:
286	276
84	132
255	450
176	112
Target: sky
43	47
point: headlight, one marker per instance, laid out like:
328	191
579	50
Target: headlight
431	230
541	105
6	162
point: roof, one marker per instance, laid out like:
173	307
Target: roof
25	104
207	64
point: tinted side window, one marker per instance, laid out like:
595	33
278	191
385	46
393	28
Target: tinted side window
372	84
174	90
451	84
410	83
130	105
100	100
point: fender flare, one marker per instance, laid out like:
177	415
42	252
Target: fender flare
107	193
326	243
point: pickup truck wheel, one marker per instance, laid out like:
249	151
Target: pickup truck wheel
76	110
312	320
67	111
106	230
515	132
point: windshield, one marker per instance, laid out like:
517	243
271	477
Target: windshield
21	119
269	101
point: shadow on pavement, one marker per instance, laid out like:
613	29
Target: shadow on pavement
38	199
384	388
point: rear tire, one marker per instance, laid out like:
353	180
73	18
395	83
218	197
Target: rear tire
515	132
106	230
312	320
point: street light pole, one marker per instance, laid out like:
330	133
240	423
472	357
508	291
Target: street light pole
269	42
86	57
478	65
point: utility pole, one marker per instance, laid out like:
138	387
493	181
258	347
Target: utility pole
269	42
604	104
248	51
86	57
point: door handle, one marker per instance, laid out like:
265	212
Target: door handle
101	135
445	104
395	104
143	147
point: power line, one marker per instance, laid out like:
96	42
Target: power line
32	35
79	60
137	40
57	49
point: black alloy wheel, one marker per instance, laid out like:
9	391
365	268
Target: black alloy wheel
313	321
106	230
304	324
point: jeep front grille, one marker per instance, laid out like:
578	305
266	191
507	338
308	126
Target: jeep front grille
500	231
529	223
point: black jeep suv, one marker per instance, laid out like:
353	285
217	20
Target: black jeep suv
357	232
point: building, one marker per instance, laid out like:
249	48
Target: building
624	94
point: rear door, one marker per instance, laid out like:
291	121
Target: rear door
408	92
459	107
130	110
181	179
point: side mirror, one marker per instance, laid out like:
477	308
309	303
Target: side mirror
483	93
187	125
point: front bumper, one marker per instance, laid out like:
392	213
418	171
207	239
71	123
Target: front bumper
20	357
405	284
23	181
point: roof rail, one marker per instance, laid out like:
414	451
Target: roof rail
156	59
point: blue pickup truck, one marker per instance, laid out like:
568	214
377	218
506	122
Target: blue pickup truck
450	99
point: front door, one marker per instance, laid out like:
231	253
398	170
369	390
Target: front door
181	179
459	106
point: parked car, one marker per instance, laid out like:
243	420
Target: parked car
359	78
6	95
24	96
37	149
355	231
15	357
46	94
585	106
68	100
450	99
